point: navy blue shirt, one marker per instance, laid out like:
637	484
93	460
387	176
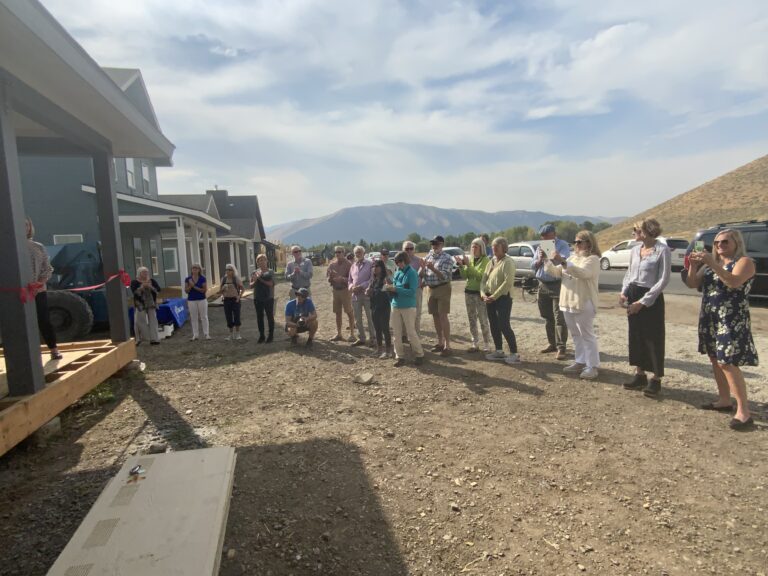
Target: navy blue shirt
195	294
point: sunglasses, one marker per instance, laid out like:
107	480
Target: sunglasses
339	252
722	242
581	241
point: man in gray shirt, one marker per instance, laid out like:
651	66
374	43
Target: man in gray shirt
298	271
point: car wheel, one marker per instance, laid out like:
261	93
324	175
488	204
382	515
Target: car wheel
605	264
70	315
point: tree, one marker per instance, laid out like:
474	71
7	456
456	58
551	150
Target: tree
414	237
600	226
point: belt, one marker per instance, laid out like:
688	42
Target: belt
471	291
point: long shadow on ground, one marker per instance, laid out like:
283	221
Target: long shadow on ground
307	508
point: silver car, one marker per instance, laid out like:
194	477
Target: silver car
522	253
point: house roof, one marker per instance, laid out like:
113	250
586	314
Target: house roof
54	82
245	207
199	202
131	82
243	227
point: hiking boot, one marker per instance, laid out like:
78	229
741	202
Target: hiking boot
638	382
653	388
548	349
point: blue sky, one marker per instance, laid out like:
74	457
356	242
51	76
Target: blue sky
565	106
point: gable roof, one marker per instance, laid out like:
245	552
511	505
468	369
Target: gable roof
234	208
200	202
131	82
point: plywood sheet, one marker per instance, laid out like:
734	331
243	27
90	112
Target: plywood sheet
49	365
167	520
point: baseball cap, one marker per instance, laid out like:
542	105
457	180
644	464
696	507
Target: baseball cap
302	292
546	229
437	240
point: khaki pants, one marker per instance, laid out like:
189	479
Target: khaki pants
406	317
145	325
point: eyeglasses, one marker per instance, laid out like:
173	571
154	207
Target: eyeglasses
581	241
722	242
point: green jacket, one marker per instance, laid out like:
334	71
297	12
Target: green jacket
473	272
499	278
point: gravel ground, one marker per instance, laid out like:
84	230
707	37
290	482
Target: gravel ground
460	466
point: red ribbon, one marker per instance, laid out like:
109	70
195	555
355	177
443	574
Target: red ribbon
27	293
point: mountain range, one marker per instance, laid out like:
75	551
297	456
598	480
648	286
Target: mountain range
395	221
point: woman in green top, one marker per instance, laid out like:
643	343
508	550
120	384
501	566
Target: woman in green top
472	270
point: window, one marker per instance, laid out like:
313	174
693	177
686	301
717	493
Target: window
114	167
677	244
129	168
145	178
137	259
513	251
620	246
170	260
67	238
757	241
525	251
153	256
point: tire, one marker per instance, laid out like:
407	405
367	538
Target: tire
529	289
70	315
605	264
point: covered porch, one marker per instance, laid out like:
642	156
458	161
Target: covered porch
55	100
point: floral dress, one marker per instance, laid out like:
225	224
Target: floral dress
725	329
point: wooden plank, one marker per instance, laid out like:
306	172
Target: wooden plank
49	366
27	415
169	520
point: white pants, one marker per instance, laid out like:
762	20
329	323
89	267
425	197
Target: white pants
406	317
198	310
419	298
581	325
145	325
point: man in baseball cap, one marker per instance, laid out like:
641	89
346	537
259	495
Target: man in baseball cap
549	294
301	316
437	274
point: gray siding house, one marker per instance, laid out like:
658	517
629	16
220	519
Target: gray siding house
164	236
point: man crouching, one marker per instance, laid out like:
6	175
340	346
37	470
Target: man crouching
300	316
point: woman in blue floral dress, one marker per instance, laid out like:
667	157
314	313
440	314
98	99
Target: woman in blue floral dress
725	333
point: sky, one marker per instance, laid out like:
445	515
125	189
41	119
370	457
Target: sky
565	106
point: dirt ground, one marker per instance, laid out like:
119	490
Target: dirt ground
460	466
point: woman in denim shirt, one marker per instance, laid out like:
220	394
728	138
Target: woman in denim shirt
650	265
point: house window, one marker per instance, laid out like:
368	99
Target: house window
114	167
67	238
129	168
145	178
153	256
170	260
137	259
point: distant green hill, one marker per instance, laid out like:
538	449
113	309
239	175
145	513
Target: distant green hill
738	195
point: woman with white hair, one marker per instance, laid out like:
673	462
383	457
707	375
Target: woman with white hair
195	285
231	288
145	290
472	269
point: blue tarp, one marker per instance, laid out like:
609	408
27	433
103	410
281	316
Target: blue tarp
172	311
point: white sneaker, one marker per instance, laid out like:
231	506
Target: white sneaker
238	337
207	337
588	374
228	338
193	338
513	359
497	355
574	368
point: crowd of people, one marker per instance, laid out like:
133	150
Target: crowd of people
381	301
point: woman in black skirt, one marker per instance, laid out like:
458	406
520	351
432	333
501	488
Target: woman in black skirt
650	266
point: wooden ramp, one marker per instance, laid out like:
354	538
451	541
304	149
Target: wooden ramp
85	365
168	519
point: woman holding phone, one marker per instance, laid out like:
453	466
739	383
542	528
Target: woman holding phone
725	333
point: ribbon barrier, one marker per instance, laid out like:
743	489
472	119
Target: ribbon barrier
27	293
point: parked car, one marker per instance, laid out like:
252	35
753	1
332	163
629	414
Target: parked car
755	234
678	248
522	253
617	256
455	251
373	256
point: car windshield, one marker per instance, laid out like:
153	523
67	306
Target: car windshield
454	251
676	243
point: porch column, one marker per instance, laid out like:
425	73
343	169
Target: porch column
111	245
20	336
238	260
232	252
207	258
195	243
216	268
181	247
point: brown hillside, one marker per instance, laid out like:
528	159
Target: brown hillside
738	195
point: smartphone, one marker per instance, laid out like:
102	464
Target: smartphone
698	246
